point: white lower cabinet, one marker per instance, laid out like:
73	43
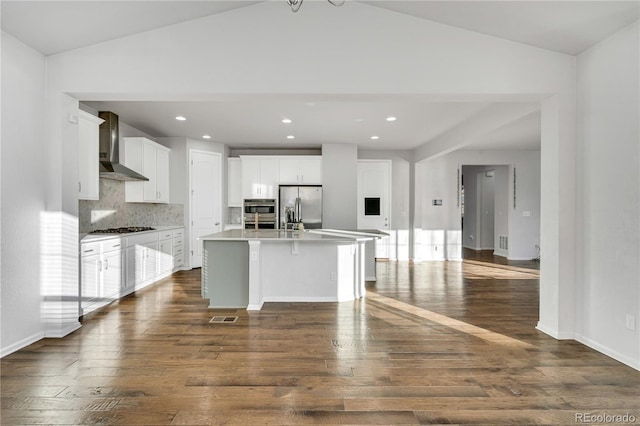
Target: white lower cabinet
118	266
101	274
178	249
165	256
152	256
141	260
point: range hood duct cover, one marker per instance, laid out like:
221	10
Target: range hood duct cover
110	167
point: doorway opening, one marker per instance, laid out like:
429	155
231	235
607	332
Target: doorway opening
484	210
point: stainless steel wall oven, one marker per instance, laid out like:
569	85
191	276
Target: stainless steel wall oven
260	213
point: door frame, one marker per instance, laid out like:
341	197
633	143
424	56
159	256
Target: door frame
190	197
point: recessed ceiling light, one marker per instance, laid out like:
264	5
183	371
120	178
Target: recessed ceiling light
206	137
391	118
286	120
375	137
291	137
180	118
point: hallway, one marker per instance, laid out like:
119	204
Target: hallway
433	342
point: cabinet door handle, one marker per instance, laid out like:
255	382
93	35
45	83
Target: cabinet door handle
99	265
106	264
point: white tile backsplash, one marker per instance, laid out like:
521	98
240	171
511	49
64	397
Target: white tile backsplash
111	211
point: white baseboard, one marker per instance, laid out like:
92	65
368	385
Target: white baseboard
500	252
226	307
519	258
472	248
555	333
255	307
63	331
631	362
296	299
373	278
21	344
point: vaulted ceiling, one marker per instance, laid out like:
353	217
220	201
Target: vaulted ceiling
567	27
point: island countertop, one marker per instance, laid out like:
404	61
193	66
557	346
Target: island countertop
277	235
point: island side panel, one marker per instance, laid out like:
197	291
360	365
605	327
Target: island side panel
307	271
225	273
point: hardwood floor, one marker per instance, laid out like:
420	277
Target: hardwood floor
433	342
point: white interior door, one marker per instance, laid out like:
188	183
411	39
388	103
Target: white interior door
206	199
374	199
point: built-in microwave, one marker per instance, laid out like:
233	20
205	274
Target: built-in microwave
259	213
259	205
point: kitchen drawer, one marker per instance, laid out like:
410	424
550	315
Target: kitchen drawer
110	245
178	250
164	235
178	261
178	241
178	233
142	239
89	249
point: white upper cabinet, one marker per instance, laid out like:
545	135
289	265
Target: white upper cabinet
300	170
234	182
88	161
151	160
260	177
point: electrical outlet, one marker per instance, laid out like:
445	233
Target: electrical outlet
332	276
631	322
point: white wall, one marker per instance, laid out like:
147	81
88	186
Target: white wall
609	196
437	179
486	200
179	183
340	186
501	208
470	230
23	190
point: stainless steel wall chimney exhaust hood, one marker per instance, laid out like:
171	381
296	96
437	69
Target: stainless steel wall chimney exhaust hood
110	167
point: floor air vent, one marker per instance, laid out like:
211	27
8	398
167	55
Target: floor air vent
223	320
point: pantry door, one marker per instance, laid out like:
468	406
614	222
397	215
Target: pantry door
374	200
205	176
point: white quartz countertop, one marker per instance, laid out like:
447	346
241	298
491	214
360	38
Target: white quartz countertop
89	238
276	235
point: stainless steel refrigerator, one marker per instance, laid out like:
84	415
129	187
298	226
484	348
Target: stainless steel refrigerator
301	203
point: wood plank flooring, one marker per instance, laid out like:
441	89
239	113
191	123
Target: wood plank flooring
433	342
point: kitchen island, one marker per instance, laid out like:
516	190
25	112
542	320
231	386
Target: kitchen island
244	268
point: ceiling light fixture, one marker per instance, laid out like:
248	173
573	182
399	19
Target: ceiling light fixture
180	118
291	137
206	137
375	137
295	4
286	120
392	118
